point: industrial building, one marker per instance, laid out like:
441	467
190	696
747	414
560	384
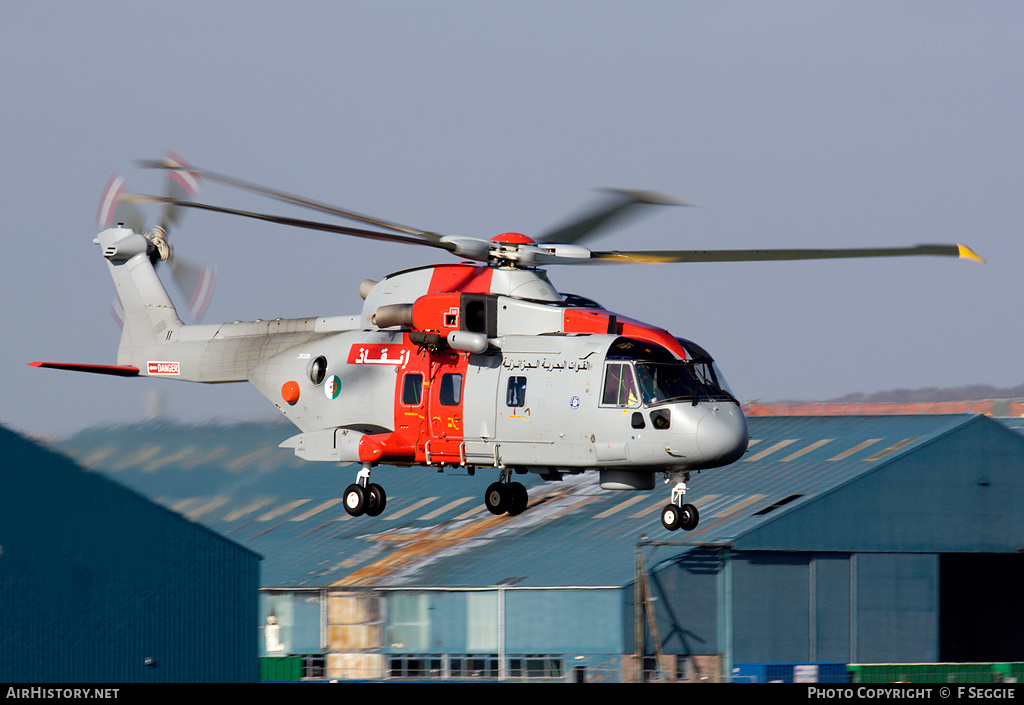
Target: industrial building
101	585
835	540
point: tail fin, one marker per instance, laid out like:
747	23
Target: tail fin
149	315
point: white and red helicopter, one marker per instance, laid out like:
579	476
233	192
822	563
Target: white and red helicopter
481	363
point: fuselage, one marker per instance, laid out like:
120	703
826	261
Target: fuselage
467	376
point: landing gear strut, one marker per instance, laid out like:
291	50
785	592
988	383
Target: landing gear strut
506	497
364	497
678	515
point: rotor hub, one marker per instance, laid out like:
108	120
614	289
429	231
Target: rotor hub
513	239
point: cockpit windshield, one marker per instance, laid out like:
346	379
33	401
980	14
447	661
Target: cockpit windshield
663	378
662	382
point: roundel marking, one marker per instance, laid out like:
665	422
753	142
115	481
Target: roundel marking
332	388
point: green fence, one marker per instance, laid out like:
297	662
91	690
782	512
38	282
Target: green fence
937	672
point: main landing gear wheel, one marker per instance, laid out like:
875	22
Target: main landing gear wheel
670	517
685	517
518	499
511	498
363	496
677	515
354	500
496	498
378	500
689	518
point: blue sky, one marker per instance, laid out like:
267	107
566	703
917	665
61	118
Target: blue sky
792	124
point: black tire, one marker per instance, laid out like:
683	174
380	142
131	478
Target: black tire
671	517
376	500
497	498
518	499
354	500
689	516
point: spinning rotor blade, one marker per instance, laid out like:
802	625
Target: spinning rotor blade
623	204
666	256
197	281
296	222
182	184
113	209
289	198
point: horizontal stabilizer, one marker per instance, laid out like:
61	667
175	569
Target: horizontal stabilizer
116	370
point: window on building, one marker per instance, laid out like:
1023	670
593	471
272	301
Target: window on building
534	666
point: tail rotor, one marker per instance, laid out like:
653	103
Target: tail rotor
195	279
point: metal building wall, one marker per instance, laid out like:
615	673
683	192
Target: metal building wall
768	606
897	608
691	606
558	621
831	593
100	585
507	620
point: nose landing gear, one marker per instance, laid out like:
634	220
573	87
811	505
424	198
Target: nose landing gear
364	497
506	497
678	515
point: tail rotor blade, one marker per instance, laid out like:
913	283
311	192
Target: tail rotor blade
197	282
113	210
117	312
182	185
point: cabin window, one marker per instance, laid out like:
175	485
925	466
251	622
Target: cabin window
450	393
412	389
515	396
619	385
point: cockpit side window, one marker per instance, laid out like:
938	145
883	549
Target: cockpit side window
619	385
515	395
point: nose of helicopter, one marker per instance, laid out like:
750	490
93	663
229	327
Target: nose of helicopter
722	435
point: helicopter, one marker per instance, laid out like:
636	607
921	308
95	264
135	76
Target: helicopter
480	363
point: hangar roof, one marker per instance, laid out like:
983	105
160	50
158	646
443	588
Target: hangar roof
436	532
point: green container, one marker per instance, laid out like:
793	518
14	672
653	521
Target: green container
281	668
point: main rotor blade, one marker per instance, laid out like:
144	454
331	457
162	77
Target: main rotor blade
289	198
293	222
623	204
665	256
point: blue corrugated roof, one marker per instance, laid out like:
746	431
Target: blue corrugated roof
1015	423
435	531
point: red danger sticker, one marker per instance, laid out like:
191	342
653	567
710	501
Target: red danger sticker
163	368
